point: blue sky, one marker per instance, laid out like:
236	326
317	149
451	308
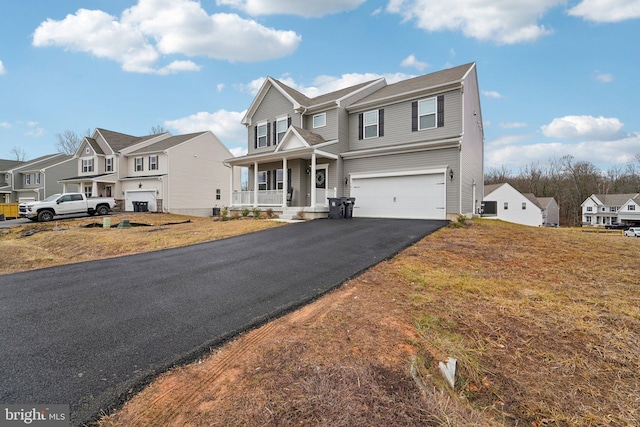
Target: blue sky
557	77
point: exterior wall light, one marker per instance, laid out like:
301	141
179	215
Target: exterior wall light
451	174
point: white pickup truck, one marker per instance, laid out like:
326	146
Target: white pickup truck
64	204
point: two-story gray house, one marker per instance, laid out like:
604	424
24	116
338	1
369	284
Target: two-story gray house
412	149
35	179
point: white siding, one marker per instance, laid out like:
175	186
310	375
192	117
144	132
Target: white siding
514	201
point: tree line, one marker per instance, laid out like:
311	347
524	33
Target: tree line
570	182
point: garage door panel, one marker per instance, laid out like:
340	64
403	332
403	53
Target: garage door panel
407	196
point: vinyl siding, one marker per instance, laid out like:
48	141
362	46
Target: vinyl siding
472	153
397	124
273	105
328	132
428	159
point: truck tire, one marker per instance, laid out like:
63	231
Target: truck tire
102	210
45	216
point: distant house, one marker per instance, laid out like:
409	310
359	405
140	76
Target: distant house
411	149
36	179
601	210
181	174
502	201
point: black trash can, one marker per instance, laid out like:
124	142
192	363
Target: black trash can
136	206
1	217
348	206
336	207
144	207
216	211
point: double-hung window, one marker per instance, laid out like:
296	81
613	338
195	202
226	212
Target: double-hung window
139	164
524	206
279	179
371	124
27	179
37	178
153	163
108	164
427	113
281	128
262	180
631	207
87	165
261	135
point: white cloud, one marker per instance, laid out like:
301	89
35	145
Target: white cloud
3	70
5	125
509	22
514	125
584	127
153	28
239	151
220	87
292	7
604	77
411	61
224	124
377	11
606	10
492	94
35	130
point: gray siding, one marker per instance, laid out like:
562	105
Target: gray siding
273	105
328	132
428	159
472	153
397	124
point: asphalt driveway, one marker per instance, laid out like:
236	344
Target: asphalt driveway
91	334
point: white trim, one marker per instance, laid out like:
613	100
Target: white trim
364	124
405	148
266	134
313	120
441	170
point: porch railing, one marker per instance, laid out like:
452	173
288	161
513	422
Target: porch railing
274	197
265	198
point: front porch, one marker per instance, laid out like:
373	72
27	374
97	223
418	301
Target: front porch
281	203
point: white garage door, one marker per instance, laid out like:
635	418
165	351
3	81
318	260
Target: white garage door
407	196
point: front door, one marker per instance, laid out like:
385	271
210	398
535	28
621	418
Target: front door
321	178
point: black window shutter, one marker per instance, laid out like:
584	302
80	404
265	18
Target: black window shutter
255	137
441	111
414	116
268	180
360	125
275	134
381	122
268	134
288	122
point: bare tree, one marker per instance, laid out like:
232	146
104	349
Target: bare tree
157	130
69	141
19	154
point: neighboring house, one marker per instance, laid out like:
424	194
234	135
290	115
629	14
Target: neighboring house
412	149
35	179
504	202
607	209
181	174
6	179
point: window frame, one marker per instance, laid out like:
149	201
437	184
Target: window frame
434	113
524	206
36	178
87	165
365	126
279	179
108	164
27	179
261	182
218	194
154	163
318	116
506	206
138	166
631	207
259	136
280	133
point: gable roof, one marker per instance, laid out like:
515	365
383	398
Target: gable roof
545	202
613	199
44	162
490	188
119	141
417	85
166	143
7	165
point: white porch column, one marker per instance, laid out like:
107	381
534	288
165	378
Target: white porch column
285	182
231	187
94	189
255	184
313	179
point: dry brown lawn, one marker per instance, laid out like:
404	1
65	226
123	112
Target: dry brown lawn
544	323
